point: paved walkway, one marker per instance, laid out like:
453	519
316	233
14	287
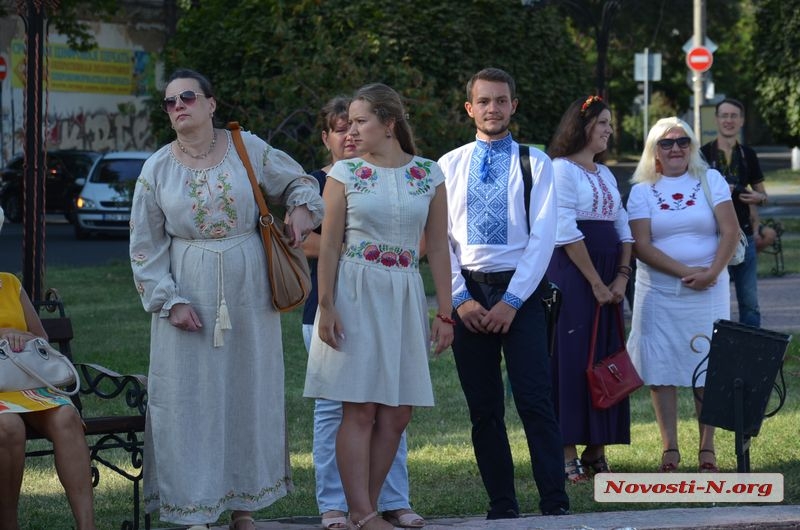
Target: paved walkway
734	517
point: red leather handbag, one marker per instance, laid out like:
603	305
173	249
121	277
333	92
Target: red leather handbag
614	378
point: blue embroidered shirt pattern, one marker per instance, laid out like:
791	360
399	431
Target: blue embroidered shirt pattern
487	193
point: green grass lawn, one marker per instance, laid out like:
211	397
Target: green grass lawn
112	329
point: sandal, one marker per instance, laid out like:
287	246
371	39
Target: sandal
334	522
707	467
363	522
404	518
241	519
598	465
574	472
669	467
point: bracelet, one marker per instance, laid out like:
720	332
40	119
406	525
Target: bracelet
624	268
446	319
624	274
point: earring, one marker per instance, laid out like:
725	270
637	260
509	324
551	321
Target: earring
388	134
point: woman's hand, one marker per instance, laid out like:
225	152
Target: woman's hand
441	336
330	327
183	316
298	225
617	288
700	280
602	294
16	338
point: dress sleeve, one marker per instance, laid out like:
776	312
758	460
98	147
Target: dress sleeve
567	193
286	183
149	247
720	191
637	202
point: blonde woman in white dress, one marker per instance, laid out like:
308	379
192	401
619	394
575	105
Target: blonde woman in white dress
682	245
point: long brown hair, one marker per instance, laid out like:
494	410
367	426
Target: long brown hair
571	134
388	106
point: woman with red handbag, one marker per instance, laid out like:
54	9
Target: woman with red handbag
682	247
591	265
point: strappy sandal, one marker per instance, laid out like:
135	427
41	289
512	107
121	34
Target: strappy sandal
363	522
669	467
598	465
241	519
574	472
334	522
707	467
404	518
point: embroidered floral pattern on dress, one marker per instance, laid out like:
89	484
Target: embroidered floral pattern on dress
386	255
213	209
419	177
676	201
364	177
213	510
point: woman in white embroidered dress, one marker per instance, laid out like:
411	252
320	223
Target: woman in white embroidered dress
215	437
370	349
591	265
682	247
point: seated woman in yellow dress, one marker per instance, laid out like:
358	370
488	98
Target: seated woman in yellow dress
51	415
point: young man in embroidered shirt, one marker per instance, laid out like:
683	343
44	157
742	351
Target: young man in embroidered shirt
739	165
498	259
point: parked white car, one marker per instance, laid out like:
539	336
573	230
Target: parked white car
104	203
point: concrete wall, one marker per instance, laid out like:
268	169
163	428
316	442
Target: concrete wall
93	100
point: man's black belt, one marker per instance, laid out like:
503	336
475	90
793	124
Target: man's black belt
489	278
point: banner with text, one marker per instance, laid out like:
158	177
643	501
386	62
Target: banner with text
98	71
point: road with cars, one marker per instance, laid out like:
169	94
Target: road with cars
61	246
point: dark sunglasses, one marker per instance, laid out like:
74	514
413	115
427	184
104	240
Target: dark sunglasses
667	143
188	97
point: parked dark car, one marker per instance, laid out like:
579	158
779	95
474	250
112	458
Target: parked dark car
64	167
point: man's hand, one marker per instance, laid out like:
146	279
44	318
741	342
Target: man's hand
499	318
471	314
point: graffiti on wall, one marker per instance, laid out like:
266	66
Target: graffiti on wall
126	129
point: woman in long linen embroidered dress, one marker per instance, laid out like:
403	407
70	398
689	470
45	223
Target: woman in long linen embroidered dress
370	349
682	247
50	414
591	265
215	436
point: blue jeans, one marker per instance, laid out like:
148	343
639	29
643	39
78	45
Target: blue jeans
745	279
330	495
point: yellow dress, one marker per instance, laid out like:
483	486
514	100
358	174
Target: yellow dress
12	316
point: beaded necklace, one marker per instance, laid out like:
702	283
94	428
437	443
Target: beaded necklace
202	155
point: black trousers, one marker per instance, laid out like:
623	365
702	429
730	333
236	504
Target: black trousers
477	357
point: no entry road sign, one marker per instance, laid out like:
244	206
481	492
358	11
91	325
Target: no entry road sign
3	68
699	59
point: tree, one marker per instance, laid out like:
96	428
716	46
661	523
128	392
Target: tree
67	16
776	42
275	63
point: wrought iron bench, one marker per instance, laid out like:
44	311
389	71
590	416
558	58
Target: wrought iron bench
776	249
105	435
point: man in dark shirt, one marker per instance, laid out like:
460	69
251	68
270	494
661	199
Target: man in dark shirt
739	165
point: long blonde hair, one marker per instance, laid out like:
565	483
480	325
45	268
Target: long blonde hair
648	170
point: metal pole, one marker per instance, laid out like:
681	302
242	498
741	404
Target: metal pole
34	165
646	127
697	79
